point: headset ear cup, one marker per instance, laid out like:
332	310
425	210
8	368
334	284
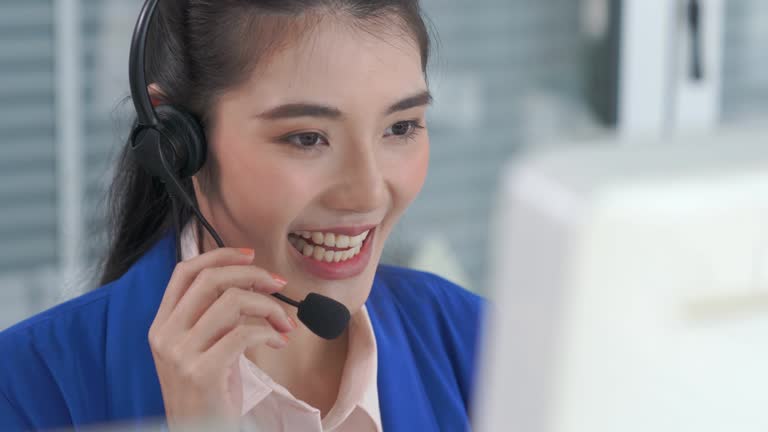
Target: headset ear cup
185	134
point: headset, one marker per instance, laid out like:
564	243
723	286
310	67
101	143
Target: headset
169	143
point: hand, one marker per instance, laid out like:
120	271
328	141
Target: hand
215	306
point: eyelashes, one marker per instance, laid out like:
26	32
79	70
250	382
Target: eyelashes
406	130
305	140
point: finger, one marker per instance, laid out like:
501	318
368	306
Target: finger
228	311
210	284
229	348
186	272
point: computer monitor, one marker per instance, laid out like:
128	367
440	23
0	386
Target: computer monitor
630	287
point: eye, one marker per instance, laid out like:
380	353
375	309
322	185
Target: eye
306	140
403	129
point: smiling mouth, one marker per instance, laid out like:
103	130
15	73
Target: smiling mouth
328	247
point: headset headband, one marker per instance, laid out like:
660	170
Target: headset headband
136	73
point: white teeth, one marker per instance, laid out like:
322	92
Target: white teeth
321	254
317	238
342	241
318	253
303	247
358	239
310	244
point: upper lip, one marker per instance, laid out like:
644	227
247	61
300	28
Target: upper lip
350	231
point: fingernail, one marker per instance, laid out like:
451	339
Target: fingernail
293	322
247	251
284	337
278	279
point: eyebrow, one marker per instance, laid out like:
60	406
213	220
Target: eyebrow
301	109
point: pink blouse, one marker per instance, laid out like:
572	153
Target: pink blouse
271	407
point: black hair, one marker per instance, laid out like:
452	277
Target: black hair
195	51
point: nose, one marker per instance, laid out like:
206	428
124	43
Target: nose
360	185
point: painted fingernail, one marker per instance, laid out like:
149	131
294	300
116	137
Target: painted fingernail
247	251
279	279
284	337
293	322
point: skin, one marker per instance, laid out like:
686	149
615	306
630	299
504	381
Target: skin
356	170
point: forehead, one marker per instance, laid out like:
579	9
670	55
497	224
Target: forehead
339	64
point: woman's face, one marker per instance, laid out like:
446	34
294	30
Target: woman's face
318	155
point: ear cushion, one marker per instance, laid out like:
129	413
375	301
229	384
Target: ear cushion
187	139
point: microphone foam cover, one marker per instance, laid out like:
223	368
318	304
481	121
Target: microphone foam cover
325	316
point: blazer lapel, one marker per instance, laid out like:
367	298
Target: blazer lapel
403	400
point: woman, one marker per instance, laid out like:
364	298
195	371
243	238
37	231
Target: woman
314	112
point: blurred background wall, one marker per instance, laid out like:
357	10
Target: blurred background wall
508	75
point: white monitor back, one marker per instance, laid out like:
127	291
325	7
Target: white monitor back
631	290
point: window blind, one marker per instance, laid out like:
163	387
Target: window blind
28	220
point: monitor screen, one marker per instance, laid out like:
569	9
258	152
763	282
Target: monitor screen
630	288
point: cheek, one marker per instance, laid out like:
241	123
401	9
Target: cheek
408	173
258	185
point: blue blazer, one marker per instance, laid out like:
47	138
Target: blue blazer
88	360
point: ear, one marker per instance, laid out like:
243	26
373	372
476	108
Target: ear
156	94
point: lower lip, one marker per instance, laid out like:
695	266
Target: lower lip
337	270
